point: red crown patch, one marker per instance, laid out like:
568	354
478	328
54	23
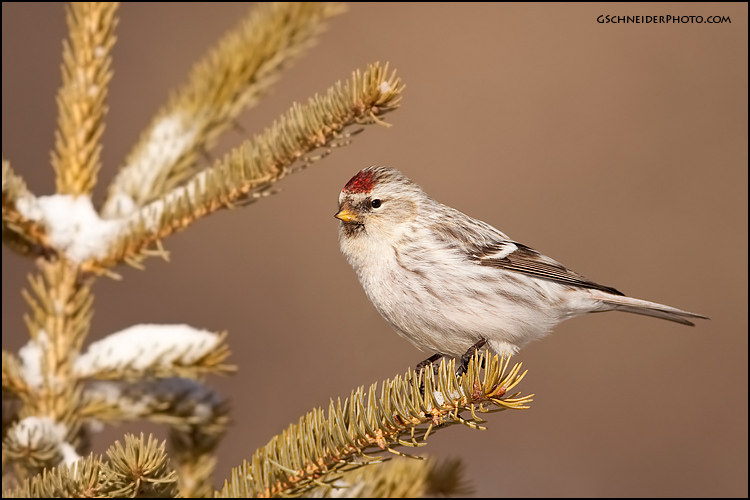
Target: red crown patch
360	183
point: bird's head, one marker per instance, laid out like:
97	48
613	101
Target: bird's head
377	201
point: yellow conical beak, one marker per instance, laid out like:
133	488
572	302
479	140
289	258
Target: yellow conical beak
346	215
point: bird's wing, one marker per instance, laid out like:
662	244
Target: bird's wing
513	256
487	246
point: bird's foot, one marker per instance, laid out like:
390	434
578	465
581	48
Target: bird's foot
428	361
468	355
431	362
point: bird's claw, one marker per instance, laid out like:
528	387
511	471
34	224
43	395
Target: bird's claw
468	355
428	361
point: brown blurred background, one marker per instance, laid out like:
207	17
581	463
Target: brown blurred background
618	149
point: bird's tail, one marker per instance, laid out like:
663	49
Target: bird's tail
646	308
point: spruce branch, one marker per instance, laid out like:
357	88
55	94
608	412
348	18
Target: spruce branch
316	450
13	379
61	311
34	443
446	478
197	415
138	469
49	430
193	451
178	402
229	79
142	468
300	137
20	233
81	101
84	479
398	478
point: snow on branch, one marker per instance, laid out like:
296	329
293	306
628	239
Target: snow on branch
40	441
72	225
143	351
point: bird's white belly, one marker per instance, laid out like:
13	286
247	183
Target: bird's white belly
448	307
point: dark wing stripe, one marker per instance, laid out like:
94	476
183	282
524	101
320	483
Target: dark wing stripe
481	243
528	261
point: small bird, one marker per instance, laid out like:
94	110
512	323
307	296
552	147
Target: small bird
449	283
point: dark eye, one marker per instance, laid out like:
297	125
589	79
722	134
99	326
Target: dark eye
376	203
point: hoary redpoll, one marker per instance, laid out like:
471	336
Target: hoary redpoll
447	282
